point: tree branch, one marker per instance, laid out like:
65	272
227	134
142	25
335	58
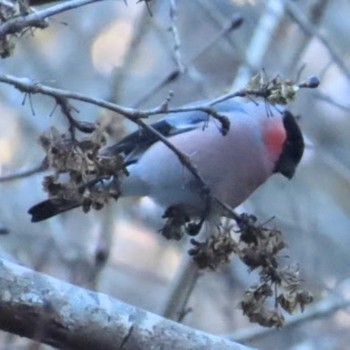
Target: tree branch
259	42
235	23
24	173
57	313
176	37
309	29
181	288
37	18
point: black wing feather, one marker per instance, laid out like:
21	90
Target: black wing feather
137	142
51	207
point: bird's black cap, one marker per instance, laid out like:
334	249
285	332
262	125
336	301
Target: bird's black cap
293	147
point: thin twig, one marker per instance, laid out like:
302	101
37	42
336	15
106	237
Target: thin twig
119	76
181	289
104	244
330	100
147	2
235	22
310	29
40	2
74	124
27	86
24	173
259	42
175	33
213	14
301	41
37	18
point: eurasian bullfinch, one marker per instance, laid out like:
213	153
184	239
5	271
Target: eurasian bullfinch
260	142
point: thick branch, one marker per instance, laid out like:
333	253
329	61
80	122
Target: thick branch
60	314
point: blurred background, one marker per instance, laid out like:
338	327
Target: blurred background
121	53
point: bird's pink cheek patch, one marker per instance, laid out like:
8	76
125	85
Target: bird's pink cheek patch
274	137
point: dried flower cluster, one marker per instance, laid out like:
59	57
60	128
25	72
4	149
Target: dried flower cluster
179	223
257	247
276	90
79	167
213	252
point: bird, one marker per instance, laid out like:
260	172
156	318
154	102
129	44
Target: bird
232	161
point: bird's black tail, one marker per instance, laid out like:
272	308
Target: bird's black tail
51	207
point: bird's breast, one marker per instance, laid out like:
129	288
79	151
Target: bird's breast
232	166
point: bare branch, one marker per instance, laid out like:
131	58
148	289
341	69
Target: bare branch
330	100
147	2
67	110
181	288
27	86
175	33
259	42
311	30
119	77
57	313
235	22
302	40
37	19
24	173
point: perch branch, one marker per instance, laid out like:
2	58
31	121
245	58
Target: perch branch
57	313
